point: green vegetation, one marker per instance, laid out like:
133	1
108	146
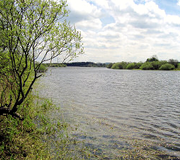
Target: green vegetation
119	65
146	66
151	64
152	59
116	66
167	67
109	65
31	32
130	66
77	64
42	68
86	64
55	65
22	139
173	62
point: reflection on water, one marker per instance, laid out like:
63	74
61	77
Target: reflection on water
110	107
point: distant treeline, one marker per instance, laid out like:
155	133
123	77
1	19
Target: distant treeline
77	64
54	65
151	64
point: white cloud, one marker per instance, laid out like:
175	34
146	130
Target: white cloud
178	3
101	3
139	31
89	24
82	10
83	7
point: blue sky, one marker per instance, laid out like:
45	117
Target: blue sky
129	30
170	6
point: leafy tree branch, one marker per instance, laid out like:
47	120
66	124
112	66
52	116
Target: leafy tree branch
31	31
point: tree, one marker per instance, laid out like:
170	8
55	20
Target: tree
173	62
119	65
109	65
31	31
157	64
152	59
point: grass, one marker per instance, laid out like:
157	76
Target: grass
22	139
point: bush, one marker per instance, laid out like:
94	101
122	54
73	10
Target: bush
167	66
124	65
157	64
178	66
137	65
130	66
119	65
110	65
147	66
174	62
116	66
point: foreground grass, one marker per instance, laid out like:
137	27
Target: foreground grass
23	139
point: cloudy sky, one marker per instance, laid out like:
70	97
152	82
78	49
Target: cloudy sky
127	30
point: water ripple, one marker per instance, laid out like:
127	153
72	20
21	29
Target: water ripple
112	103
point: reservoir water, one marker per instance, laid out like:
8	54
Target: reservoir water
113	110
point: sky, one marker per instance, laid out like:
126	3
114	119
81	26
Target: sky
127	30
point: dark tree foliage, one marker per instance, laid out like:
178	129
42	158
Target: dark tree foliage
174	62
109	65
152	59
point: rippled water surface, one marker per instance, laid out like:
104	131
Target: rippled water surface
111	107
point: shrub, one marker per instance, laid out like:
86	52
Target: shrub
130	66
174	62
137	65
119	65
156	65
124	65
167	66
116	66
178	66
110	65
147	66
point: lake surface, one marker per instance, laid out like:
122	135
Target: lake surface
113	110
